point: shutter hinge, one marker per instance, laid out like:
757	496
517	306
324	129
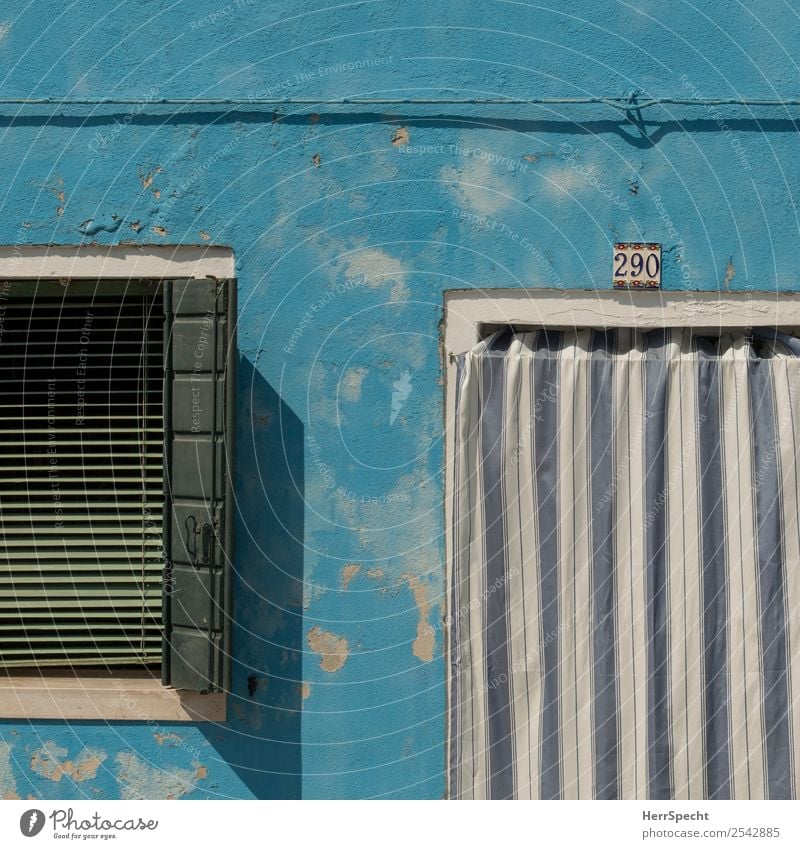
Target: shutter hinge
220	288
200	539
207	538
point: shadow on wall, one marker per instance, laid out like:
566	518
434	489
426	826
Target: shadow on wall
261	739
636	127
260	742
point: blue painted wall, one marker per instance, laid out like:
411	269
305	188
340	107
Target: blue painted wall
348	223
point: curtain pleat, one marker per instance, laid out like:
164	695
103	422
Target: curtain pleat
626	566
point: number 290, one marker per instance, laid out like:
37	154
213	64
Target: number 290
635	264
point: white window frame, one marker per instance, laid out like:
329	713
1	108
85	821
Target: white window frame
469	314
117	694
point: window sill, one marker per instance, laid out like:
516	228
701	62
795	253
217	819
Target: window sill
115	695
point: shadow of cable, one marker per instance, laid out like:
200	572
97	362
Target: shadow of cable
636	128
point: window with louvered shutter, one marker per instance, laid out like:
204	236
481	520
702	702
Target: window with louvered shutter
112	445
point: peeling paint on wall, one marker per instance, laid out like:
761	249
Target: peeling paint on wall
140	780
8	786
50	761
351	383
400	137
333	650
348	573
479	186
170	738
730	273
146	177
377	268
425	640
93	227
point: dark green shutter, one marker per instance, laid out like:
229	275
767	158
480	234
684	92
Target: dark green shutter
200	353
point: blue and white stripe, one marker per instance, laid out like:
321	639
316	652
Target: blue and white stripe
625	596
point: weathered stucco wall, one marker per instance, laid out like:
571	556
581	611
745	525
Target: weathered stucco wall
348	223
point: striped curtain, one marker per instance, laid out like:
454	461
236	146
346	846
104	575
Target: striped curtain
625	582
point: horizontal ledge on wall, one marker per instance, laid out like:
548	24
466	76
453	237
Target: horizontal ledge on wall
112	696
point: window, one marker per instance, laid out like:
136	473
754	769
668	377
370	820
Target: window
81	477
115	492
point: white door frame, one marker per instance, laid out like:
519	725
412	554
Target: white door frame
469	314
